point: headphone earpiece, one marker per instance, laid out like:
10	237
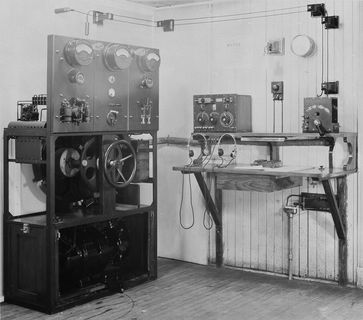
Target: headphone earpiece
220	152
234	153
205	152
191	153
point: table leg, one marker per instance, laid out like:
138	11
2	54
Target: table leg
215	209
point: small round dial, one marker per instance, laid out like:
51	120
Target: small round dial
78	53
213	118
76	76
226	119
112	117
111	92
117	57
149	62
147	83
202	118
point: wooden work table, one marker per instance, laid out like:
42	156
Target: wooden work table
259	179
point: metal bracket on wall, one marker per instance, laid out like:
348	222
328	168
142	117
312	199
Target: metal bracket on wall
331	22
99	17
167	25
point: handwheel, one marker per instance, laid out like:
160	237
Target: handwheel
120	163
89	164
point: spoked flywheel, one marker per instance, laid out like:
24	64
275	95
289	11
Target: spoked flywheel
120	163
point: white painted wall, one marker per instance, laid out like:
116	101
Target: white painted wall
228	57
214	58
23	56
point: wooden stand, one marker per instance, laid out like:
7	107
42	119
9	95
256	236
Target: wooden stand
269	180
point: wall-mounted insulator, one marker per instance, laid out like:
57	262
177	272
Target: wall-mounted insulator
317	10
331	22
167	25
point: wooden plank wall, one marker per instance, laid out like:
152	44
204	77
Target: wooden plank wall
255	227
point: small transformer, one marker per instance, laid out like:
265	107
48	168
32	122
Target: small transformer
320	115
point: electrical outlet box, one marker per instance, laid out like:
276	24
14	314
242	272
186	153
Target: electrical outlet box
277	90
330	87
275	46
315	202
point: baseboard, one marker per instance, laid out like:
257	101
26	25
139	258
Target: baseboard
360	277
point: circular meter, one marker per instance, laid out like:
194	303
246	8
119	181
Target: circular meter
117	57
149	62
78	52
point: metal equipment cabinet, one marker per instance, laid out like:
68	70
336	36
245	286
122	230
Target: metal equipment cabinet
31	242
91	158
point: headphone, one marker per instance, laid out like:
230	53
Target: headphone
204	148
233	153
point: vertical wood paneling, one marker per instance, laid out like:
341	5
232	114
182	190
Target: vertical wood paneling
255	227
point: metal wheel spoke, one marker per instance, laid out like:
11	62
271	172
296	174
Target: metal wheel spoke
127	157
121	174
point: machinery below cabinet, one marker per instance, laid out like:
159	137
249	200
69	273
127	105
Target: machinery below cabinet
91	260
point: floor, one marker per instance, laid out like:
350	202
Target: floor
188	291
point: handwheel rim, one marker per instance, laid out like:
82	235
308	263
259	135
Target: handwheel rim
113	168
89	163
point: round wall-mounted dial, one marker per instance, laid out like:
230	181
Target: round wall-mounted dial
149	62
117	57
78	53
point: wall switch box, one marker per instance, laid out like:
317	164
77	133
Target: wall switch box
275	47
330	87
277	90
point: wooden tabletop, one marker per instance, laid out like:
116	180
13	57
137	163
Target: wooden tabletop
313	172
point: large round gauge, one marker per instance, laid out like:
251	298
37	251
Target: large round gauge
78	52
149	62
117	57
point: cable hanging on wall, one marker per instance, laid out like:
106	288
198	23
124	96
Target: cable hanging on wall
327	22
98	18
169	24
239	14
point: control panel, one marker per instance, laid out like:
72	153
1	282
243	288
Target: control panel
222	113
101	86
320	115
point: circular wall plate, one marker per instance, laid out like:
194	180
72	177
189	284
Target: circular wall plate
302	45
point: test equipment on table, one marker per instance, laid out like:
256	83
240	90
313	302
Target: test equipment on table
222	113
91	157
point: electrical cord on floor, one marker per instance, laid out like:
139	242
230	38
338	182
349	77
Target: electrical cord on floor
181	205
131	308
103	313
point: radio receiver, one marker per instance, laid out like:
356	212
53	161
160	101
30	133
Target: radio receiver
222	113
